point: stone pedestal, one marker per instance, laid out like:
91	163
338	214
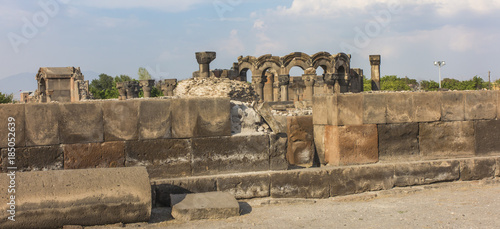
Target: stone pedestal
147	85
375	63
132	88
122	90
168	86
284	81
204	59
309	80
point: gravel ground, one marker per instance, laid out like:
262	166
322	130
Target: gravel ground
449	205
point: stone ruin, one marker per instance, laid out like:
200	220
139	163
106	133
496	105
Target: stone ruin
61	84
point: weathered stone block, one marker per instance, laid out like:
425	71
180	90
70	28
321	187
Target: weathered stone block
163	188
477	168
201	117
265	111
400	107
375	108
420	173
121	119
497	169
351	145
15	111
35	158
278	151
452	106
163	158
310	183
325	110
352	180
210	205
300	133
480	105
350	108
230	154
427	106
94	155
319	142
245	186
487	134
398	141
42	124
52	199
81	123
155	120
446	139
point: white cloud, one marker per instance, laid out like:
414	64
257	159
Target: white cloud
233	45
162	5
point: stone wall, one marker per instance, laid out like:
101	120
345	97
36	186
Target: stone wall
365	128
171	137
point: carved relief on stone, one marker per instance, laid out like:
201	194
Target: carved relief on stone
132	88
310	71
309	79
284	80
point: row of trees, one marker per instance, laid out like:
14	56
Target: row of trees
105	86
4	98
394	83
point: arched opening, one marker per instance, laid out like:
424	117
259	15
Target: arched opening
296	71
320	70
297	86
246	75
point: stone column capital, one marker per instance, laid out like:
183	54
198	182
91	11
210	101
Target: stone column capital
375	59
284	80
205	57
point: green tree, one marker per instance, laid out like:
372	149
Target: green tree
123	78
393	83
143	74
104	87
429	85
4	98
367	84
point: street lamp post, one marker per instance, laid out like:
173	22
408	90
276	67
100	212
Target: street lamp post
439	64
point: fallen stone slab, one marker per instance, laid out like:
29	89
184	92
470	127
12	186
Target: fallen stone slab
209	205
52	199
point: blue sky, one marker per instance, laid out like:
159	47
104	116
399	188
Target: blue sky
119	36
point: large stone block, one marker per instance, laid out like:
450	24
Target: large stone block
319	142
420	173
497	169
245	186
165	187
325	110
446	139
42	124
265	111
52	199
35	158
352	180
15	111
201	117
155	120
164	158
81	123
487	134
300	133
210	205
277	152
375	108
427	106
94	155
240	153
350	108
480	105
477	168
398	141
351	145
452	106
400	107
310	183
121	120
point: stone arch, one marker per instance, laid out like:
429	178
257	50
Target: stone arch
342	60
245	64
323	60
298	59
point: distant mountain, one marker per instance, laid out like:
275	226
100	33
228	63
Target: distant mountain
26	82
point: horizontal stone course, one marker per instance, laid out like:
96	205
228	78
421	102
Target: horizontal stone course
94	155
481	105
17	112
36	158
121	120
421	173
155	119
446	139
487	137
358	179
477	168
42	124
351	145
398	142
81	123
311	183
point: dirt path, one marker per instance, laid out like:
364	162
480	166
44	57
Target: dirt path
450	205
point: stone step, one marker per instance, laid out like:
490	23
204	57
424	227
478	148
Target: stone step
209	205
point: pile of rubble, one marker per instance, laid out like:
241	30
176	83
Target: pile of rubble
215	87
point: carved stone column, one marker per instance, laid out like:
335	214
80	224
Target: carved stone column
204	59
258	84
168	86
284	81
147	85
309	82
122	90
132	88
276	91
268	87
375	63
344	81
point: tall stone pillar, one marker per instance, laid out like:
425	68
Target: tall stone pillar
375	63
284	81
204	59
276	91
258	84
309	80
344	82
268	87
147	85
